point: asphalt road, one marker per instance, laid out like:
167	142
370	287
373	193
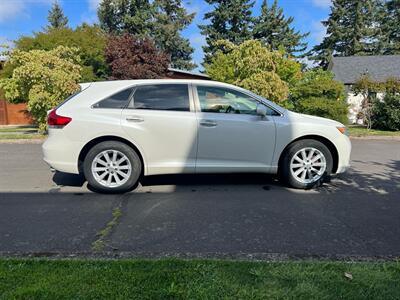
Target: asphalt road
247	216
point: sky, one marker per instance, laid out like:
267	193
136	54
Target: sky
23	17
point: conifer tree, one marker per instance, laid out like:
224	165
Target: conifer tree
170	19
160	20
56	17
275	30
126	16
351	30
230	20
390	27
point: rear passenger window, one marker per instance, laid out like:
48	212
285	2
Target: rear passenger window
118	100
162	97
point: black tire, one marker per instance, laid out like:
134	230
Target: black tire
284	168
133	157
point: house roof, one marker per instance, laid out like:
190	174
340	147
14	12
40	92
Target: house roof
349	69
197	74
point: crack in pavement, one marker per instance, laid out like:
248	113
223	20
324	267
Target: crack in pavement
104	235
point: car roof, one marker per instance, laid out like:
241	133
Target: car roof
123	83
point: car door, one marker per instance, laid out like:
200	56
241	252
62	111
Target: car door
231	136
161	121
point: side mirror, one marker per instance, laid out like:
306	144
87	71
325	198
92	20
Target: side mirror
261	110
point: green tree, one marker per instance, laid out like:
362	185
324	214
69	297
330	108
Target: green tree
253	66
170	19
89	39
351	30
161	20
275	30
126	16
42	79
317	93
230	20
390	29
56	17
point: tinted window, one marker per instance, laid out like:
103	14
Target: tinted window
223	100
118	100
162	97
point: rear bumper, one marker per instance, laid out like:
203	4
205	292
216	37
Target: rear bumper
60	153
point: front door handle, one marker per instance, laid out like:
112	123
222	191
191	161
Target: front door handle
135	119
208	123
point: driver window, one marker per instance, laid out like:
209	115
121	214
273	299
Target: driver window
222	100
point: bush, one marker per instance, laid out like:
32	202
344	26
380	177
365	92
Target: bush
336	110
42	79
317	93
253	66
386	113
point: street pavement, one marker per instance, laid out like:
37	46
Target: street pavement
356	215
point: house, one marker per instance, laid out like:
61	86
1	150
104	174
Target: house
16	114
349	69
181	74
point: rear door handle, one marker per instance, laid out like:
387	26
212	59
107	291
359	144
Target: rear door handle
135	119
208	123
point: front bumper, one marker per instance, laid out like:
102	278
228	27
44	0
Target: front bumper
343	145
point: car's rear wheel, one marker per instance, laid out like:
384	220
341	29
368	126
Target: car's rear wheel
306	163
112	167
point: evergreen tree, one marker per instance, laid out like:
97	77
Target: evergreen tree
56	17
170	19
126	16
161	20
230	20
351	30
274	30
390	25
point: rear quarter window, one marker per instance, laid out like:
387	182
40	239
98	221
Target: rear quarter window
118	100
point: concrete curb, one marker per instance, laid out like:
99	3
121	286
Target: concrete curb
376	137
21	141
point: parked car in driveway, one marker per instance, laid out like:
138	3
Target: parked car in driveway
117	131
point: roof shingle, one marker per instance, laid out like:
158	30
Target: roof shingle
379	68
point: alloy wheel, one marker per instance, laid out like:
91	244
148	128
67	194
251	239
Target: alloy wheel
111	168
308	165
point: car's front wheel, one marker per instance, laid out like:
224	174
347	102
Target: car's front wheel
306	163
112	167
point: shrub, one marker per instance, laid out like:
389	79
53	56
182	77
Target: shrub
386	113
42	79
255	67
90	40
336	110
317	93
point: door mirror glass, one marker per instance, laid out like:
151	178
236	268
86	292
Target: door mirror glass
261	110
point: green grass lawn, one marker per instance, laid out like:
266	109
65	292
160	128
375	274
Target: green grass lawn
17	133
196	279
362	131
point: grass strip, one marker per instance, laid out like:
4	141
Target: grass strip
362	131
196	279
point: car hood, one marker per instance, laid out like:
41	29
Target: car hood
313	119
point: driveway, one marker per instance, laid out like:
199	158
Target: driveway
248	215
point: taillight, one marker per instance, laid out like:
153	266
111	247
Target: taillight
56	121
